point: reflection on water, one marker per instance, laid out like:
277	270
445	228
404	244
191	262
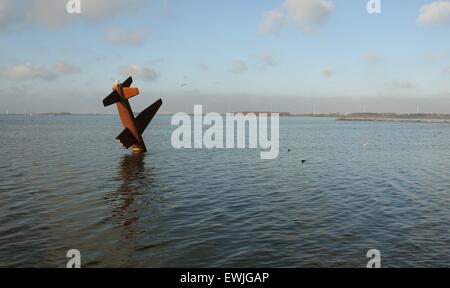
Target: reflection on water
131	172
135	195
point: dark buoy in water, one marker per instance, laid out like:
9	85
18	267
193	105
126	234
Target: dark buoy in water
289	150
303	161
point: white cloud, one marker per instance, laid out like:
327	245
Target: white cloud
308	15
263	61
51	13
238	66
133	38
273	21
144	73
104	9
267	60
436	13
61	68
435	57
447	70
326	72
403	84
372	56
24	71
27	71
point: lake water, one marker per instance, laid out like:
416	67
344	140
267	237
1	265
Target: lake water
65	183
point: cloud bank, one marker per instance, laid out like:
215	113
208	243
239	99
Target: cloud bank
52	13
28	71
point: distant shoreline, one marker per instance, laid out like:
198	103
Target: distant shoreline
394	117
397	120
367	117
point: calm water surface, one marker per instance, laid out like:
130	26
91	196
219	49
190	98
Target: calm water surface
65	183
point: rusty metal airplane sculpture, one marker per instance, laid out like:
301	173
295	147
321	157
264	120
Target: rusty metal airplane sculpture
131	136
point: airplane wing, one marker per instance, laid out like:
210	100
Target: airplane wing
111	99
126	138
144	118
128	82
114	97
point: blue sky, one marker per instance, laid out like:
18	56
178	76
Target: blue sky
314	53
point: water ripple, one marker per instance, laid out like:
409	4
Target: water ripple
65	184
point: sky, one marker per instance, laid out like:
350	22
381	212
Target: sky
278	55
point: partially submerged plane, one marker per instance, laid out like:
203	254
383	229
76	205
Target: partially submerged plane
131	136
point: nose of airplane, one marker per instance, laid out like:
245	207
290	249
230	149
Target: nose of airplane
115	85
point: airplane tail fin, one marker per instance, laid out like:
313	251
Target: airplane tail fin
126	138
144	118
130	92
